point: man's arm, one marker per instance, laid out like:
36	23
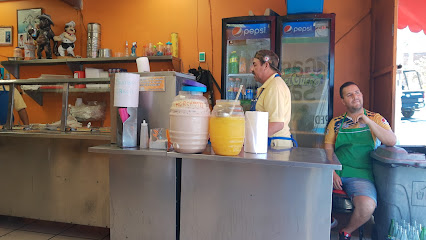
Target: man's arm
23	115
329	151
386	136
274	127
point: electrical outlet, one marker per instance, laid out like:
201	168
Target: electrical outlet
202	56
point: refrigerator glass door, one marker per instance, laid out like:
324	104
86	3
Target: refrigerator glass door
242	42
305	66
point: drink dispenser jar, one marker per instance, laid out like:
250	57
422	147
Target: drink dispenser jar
227	127
189	120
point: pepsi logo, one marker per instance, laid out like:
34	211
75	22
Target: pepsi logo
288	29
237	31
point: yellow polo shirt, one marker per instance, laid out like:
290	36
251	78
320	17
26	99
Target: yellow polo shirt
19	101
275	99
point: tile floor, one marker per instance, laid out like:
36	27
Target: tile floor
15	228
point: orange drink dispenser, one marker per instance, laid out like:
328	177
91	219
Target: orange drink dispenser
227	127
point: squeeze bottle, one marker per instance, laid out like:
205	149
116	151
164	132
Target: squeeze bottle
144	135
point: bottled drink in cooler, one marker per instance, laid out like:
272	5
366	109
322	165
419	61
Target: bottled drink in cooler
249	90
237	87
233	63
243	63
230	89
243	91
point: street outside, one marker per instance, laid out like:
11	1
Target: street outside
411	54
411	131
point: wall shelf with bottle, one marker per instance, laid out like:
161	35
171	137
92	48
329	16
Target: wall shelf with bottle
76	64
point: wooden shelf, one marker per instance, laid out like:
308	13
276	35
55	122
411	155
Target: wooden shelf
72	90
76	64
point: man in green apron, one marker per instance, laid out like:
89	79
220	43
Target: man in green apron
352	136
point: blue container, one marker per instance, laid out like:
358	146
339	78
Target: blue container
304	6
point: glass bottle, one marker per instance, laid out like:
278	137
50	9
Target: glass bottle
391	230
233	63
126	50
404	235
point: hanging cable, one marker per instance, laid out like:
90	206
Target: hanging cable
198	49
211	32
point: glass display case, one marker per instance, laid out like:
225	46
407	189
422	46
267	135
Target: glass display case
58	104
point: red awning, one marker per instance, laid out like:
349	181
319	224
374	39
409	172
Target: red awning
411	13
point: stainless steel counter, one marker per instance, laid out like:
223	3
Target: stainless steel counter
55	134
53	177
278	195
142	193
296	157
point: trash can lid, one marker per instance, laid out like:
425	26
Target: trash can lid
398	155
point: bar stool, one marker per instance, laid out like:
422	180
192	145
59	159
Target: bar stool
342	203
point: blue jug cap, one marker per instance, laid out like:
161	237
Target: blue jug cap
194	89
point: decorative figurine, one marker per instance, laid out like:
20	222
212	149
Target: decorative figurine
67	38
134	46
43	35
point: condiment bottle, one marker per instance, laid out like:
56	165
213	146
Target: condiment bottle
144	135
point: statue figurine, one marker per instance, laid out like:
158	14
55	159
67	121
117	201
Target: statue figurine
43	35
67	38
134	46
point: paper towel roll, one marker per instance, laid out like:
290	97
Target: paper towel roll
143	64
256	135
126	90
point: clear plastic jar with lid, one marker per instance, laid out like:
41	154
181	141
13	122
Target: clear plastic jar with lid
17	52
189	121
227	127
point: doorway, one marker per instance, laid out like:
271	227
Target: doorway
410	110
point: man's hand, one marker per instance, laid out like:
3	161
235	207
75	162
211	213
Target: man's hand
337	181
387	137
362	118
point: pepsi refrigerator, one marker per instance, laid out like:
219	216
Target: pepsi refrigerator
305	45
242	37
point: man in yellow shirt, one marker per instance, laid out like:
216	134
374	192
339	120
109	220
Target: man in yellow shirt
352	136
19	105
272	97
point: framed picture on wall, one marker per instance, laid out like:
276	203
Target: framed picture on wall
27	19
6	36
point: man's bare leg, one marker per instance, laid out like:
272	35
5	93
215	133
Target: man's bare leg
364	208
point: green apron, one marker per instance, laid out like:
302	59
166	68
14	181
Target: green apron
352	148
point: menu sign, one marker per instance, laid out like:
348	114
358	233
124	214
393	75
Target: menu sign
152	84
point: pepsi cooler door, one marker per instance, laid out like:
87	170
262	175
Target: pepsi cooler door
241	38
306	47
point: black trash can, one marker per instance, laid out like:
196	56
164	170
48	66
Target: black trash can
400	176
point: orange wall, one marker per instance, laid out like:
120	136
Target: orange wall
153	21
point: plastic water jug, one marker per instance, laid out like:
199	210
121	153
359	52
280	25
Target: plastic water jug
189	122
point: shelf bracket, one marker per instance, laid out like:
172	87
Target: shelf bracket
36	96
176	64
13	69
75	66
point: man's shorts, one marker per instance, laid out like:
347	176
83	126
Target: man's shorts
359	187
